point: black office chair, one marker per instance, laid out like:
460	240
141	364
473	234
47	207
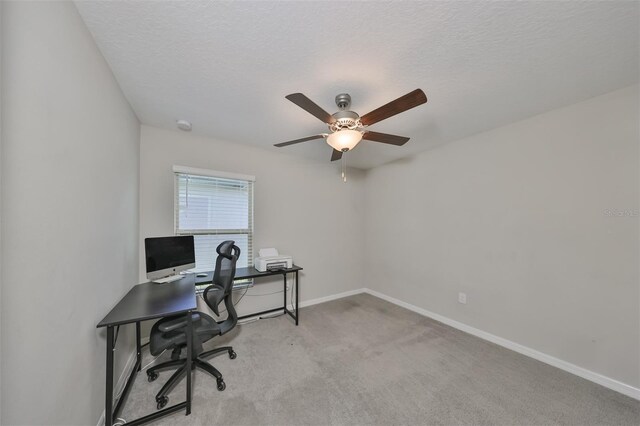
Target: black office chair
170	333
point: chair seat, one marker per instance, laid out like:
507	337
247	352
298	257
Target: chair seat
204	329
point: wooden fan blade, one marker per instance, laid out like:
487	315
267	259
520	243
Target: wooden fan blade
403	103
336	155
385	138
308	138
308	105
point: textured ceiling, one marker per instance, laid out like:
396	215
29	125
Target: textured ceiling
227	66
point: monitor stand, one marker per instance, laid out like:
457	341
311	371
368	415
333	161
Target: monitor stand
169	279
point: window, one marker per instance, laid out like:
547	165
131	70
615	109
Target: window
214	207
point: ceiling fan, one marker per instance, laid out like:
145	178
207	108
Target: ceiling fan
347	128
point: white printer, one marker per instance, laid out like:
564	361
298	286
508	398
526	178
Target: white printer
269	260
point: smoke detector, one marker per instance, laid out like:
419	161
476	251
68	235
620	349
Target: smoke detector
184	125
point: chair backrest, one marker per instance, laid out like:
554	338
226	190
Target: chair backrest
228	254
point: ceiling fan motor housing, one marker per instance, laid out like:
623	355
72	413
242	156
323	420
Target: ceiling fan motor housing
343	100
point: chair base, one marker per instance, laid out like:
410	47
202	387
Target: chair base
152	373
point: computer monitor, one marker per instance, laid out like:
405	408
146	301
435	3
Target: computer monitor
169	255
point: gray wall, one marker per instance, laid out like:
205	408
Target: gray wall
301	207
70	213
525	220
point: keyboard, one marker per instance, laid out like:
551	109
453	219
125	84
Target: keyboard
169	279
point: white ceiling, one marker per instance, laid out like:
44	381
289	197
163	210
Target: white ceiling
227	66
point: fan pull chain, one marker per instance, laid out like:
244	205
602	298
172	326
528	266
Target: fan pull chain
344	168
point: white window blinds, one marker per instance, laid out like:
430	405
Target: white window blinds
214	209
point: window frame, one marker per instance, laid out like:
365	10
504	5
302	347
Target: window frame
214	174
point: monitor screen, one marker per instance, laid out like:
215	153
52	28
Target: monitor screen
169	255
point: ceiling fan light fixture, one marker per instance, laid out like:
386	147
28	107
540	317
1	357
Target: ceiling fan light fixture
347	128
344	140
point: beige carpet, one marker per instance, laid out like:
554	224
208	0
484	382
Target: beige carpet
362	360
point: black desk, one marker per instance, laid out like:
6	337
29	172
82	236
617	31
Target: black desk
251	272
143	302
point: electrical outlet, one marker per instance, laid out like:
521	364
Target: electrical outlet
462	298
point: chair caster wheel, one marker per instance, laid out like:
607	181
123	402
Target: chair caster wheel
232	354
162	402
221	385
151	376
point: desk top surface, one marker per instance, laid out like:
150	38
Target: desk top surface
150	300
246	273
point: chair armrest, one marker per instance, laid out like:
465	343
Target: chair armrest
178	323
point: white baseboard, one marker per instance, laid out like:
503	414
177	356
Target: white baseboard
605	381
332	297
122	380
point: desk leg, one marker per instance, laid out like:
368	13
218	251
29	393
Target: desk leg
138	346
108	406
284	279
189	356
297	314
